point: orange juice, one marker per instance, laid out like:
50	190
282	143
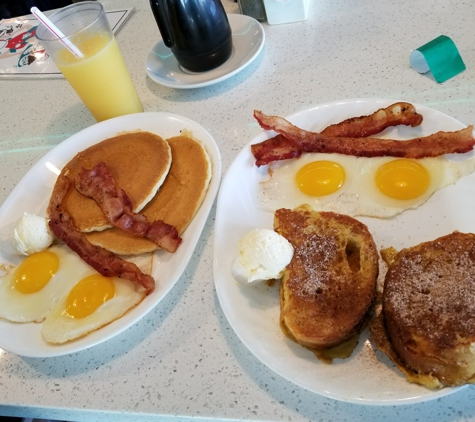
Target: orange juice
100	78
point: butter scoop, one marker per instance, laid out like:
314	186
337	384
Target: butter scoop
32	234
263	255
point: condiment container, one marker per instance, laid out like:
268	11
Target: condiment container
286	11
253	8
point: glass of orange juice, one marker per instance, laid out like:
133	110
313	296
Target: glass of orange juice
99	76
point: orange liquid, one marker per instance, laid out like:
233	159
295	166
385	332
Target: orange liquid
100	78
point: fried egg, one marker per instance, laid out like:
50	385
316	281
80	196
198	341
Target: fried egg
93	302
28	291
359	186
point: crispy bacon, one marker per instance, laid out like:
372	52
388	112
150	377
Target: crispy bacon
297	140
99	184
103	261
275	149
393	115
281	148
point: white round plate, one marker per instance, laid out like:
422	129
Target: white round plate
367	377
248	40
32	195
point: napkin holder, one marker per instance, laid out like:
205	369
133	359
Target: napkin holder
286	11
253	8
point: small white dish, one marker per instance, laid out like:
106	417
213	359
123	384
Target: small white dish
248	40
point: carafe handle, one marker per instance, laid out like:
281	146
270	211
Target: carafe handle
161	17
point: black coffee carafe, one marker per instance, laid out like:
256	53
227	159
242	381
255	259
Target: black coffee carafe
197	32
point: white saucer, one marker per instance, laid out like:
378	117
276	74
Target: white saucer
248	40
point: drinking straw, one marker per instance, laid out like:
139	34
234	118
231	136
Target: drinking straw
56	32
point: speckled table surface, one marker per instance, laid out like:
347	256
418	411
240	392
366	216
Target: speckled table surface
183	360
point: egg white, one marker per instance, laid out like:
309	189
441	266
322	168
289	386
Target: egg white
359	195
280	190
33	307
59	327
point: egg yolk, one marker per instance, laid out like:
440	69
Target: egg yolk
87	295
35	272
320	178
402	179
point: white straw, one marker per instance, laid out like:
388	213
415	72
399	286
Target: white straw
56	32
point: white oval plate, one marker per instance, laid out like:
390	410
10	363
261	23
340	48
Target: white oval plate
367	377
248	40
32	195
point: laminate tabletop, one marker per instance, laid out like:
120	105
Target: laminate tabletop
183	361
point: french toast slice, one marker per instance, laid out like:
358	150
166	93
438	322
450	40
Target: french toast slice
330	283
428	311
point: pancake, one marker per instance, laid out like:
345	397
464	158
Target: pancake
330	283
139	162
176	203
428	310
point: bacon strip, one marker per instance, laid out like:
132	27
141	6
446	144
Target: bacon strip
297	140
281	148
99	184
275	149
103	261
393	115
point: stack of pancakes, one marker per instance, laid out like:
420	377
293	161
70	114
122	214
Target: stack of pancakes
164	179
